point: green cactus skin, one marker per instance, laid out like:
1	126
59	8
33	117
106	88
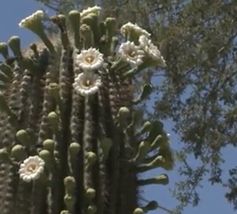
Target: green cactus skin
91	146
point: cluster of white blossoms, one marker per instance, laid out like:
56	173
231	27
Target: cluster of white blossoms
134	54
31	168
131	53
32	20
90	10
88	82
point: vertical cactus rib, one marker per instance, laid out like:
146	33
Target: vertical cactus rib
36	97
23	198
47	108
6	188
87	143
39	197
24	95
66	77
77	126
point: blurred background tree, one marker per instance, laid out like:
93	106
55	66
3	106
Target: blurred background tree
197	91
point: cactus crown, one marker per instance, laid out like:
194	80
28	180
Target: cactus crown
70	141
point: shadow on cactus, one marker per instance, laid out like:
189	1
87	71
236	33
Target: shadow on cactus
70	142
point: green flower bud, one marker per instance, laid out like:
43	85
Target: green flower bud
33	47
23	137
60	21
91	157
70	184
153	205
4	50
47	157
4	154
87	36
92	209
110	24
138	211
49	145
53	120
90	20
15	45
64	212
90	193
123	115
18	152
74	18
74	148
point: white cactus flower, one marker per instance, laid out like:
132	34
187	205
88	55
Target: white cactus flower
151	50
31	168
90	59
87	83
131	53
130	27
32	20
91	10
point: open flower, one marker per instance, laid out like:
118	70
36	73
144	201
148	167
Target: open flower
87	83
131	53
133	28
34	24
90	10
31	168
90	59
33	21
151	50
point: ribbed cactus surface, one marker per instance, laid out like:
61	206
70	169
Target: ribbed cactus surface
72	141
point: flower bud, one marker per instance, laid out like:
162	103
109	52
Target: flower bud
15	45
49	145
70	184
4	50
23	137
18	152
90	193
138	211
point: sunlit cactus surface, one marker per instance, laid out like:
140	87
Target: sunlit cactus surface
73	138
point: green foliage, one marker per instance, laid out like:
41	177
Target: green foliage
69	139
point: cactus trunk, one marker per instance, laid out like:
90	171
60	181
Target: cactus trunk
71	140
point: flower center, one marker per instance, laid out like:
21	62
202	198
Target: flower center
89	59
132	53
87	82
31	168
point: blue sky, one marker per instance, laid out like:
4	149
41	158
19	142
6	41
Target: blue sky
212	197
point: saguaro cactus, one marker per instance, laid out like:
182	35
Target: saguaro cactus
71	140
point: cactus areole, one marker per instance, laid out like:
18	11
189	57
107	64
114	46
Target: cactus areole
71	139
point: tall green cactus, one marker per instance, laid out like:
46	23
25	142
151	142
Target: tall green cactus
71	140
